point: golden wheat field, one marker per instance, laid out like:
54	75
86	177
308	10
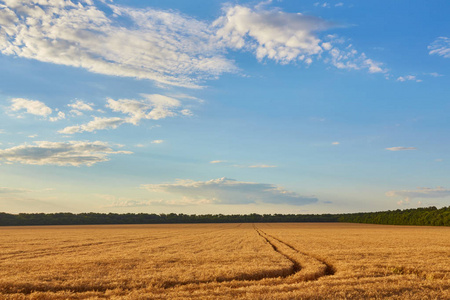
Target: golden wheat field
225	261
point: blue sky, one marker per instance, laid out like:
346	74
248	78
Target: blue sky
223	107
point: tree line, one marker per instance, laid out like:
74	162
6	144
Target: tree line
429	216
418	216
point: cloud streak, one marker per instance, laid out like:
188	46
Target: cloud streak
6	190
72	153
230	191
423	192
96	124
440	46
401	148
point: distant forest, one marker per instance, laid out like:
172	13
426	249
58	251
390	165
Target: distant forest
430	216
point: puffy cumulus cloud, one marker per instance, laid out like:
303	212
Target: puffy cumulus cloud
440	46
230	191
288	37
151	107
33	107
157	141
274	34
96	124
401	148
350	59
79	106
422	192
72	153
163	46
59	116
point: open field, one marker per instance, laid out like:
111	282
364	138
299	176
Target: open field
223	261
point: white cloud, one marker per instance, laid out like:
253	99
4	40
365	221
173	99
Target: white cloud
434	74
440	46
350	59
423	192
283	37
163	46
73	153
262	166
96	124
152	107
59	116
401	148
80	106
340	4
33	107
287	37
230	191
408	78
157	141
217	161
335	143
121	201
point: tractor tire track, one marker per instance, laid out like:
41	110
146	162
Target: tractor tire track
306	267
330	269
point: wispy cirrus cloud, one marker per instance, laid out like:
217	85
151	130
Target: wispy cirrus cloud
33	107
72	153
401	148
440	46
230	191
